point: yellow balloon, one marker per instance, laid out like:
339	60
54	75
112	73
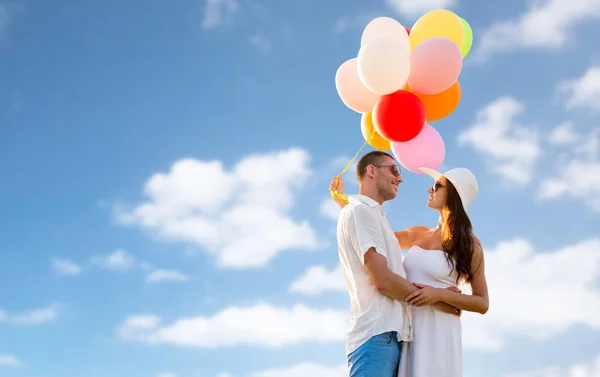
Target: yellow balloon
367	127
437	23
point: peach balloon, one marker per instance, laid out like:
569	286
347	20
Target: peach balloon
435	66
351	90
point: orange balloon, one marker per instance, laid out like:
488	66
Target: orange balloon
367	128
440	105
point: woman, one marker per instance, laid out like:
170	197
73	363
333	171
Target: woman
447	255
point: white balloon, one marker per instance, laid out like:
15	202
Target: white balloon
385	27
383	66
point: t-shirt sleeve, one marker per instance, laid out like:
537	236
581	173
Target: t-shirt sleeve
366	231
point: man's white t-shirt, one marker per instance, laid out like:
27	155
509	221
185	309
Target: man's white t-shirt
362	224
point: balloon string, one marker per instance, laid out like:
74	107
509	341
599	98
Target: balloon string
334	193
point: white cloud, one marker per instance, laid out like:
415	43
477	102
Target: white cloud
585	369
65	267
118	260
591	148
579	180
166	275
138	323
31	318
259	325
583	92
239	216
260	42
9	361
511	148
579	176
317	279
217	12
564	134
547	24
527	288
330	209
415	9
305	369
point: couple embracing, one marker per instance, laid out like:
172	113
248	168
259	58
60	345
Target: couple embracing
405	312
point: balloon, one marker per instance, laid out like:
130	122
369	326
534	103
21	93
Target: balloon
367	127
383	65
399	116
385	27
407	30
438	106
437	23
435	65
426	150
467	39
351	90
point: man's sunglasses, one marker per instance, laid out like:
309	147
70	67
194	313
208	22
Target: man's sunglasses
395	169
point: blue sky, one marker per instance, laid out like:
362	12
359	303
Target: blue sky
166	167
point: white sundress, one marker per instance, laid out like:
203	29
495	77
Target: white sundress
436	350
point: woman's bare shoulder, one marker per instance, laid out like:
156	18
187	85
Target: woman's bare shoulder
418	229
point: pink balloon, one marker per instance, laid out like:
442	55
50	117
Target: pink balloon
426	150
351	90
435	65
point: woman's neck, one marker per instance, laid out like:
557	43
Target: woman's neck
441	222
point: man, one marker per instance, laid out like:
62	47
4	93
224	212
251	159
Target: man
371	259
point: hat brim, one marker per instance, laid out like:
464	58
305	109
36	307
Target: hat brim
432	173
436	175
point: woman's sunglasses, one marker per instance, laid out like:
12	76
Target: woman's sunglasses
436	186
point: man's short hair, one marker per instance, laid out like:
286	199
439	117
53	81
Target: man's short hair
371	158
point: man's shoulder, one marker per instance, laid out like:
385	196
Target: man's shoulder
348	212
355	206
353	210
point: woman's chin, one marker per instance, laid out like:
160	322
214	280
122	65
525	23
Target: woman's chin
431	204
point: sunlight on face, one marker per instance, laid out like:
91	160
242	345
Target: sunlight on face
388	178
437	194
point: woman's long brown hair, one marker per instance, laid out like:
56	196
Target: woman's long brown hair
457	235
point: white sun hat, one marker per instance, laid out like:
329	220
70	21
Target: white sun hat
462	179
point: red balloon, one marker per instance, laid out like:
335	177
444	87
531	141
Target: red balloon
399	116
407	30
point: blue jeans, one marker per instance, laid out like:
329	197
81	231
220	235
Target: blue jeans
377	357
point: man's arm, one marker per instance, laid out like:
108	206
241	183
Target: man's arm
391	284
385	281
367	236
